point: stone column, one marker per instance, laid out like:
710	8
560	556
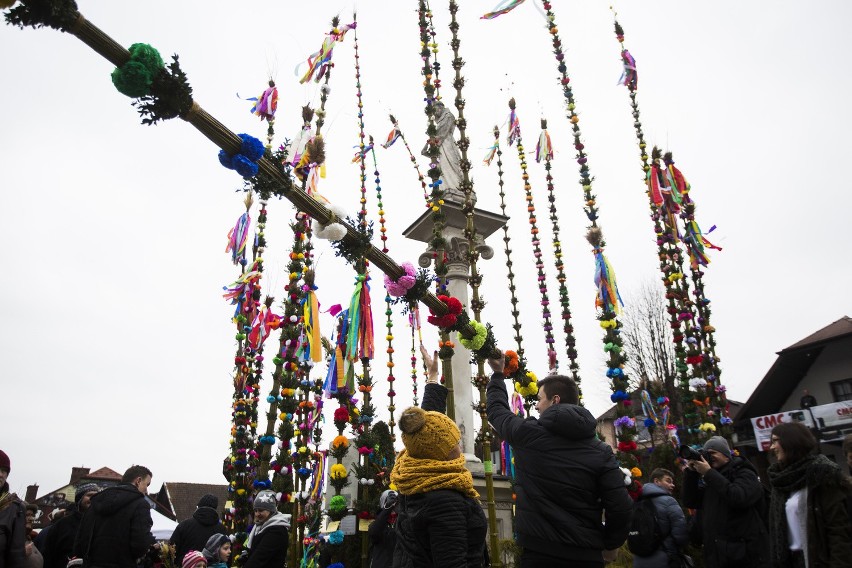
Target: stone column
457	286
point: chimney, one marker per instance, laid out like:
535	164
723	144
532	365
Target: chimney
78	473
32	493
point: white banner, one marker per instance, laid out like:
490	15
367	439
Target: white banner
763	425
833	421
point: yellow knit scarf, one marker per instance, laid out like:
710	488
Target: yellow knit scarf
414	475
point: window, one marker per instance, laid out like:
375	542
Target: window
842	390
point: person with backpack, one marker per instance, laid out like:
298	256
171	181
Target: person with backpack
730	498
658	528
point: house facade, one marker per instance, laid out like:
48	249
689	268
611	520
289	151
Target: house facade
820	364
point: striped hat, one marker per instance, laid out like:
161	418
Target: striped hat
192	559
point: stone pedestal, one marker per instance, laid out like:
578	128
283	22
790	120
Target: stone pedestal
503	505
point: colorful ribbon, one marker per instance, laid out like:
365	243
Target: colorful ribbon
392	137
629	77
318	62
504	7
544	148
492	151
514	128
608	296
237	238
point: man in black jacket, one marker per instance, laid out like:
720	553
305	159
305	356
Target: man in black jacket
572	504
59	542
13	533
116	530
192	534
728	495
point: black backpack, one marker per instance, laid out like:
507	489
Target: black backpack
645	536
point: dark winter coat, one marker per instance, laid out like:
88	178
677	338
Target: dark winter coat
566	482
828	529
672	524
192	534
116	528
269	546
730	499
13	532
382	539
58	545
439	529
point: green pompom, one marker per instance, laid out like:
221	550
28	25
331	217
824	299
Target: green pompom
147	56
132	79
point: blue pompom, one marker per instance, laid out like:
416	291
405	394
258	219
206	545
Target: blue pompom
226	160
649	422
244	166
335	537
251	148
270	398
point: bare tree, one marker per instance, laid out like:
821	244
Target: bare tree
649	343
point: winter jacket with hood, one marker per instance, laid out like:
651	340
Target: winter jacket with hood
567	480
267	543
443	528
672	524
116	529
58	545
730	500
13	533
192	534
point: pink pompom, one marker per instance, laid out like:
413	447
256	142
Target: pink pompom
405	282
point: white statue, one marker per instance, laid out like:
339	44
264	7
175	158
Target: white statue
449	158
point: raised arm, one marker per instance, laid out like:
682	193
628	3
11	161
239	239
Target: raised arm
434	394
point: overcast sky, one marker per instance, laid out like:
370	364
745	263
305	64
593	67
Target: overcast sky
116	344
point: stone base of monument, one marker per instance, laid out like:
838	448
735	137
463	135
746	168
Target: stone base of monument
503	506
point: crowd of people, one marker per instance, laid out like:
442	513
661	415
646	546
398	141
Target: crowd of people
572	509
572	504
111	528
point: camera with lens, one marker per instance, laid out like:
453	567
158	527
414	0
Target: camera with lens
689	453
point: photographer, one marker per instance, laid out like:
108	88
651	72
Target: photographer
729	496
383	532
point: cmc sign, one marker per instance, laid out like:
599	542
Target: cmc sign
763	425
832	421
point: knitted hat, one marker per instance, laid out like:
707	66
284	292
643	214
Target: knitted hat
193	558
4	461
265	501
209	500
718	444
428	435
83	489
214	543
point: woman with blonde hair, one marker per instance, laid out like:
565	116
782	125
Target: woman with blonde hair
440	521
